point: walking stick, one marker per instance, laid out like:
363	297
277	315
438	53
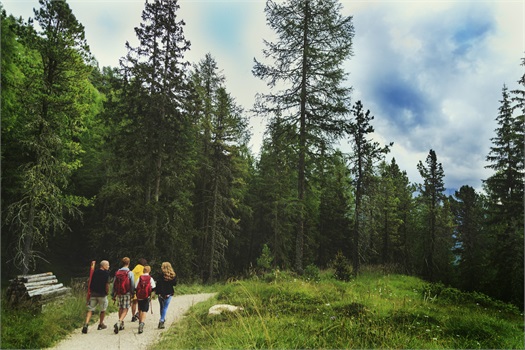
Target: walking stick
150	306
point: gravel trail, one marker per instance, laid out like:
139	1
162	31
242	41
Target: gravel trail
129	338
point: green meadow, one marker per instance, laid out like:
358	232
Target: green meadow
281	310
373	311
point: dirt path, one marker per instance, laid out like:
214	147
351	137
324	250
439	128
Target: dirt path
129	338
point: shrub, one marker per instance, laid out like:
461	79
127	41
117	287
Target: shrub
264	262
312	274
343	270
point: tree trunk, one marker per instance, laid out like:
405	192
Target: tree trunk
27	254
299	243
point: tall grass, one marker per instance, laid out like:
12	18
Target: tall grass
282	311
36	328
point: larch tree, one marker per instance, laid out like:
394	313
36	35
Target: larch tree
56	96
306	77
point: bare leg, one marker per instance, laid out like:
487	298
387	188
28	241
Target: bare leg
142	316
134	307
88	317
122	314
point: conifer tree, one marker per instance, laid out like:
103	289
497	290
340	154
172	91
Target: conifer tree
222	138
365	153
152	180
471	239
505	201
313	41
55	92
432	197
389	214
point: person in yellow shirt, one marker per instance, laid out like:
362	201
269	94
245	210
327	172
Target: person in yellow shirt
138	270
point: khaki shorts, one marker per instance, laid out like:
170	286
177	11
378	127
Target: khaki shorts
98	301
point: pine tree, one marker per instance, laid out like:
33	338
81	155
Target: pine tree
432	197
404	195
223	166
505	201
152	177
313	41
389	214
56	94
277	200
471	239
364	155
334	208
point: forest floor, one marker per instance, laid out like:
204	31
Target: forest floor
129	338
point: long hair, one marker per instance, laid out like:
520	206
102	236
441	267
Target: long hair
167	271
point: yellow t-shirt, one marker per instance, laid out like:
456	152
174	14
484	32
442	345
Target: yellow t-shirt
137	272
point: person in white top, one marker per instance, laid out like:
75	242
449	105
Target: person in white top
143	288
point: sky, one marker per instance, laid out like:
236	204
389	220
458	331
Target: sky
430	72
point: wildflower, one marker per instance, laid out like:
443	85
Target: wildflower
332	318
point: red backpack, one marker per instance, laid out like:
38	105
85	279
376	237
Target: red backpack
144	287
122	283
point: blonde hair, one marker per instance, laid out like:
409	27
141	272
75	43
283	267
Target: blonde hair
167	271
147	269
125	261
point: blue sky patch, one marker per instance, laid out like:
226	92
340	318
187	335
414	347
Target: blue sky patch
224	23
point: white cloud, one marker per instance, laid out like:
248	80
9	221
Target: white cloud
431	72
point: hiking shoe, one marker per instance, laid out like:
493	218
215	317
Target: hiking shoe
121	325
101	326
133	319
115	328
161	325
84	329
141	327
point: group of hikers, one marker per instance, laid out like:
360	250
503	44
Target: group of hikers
131	288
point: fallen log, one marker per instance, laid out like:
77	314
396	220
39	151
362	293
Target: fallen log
44	290
36	285
52	294
26	278
35	290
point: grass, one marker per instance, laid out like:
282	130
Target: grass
24	328
27	328
282	311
